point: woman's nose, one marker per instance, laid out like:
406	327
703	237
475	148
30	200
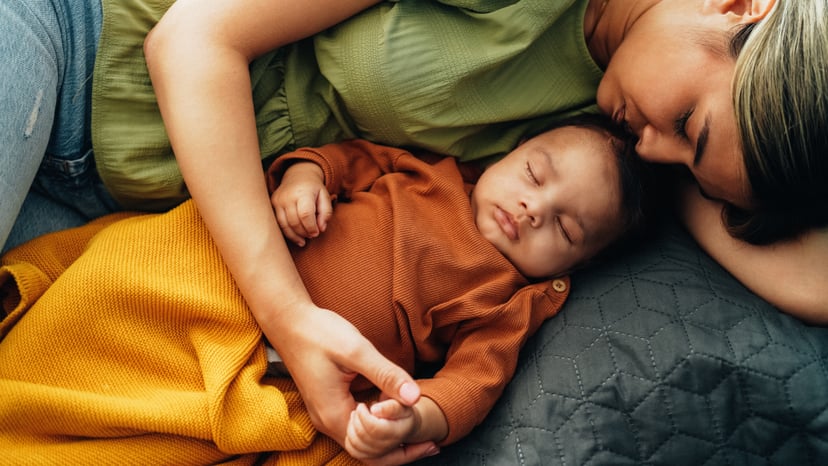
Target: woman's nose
658	147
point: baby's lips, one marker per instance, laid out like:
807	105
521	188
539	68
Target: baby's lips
507	224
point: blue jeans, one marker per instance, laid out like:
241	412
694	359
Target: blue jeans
47	54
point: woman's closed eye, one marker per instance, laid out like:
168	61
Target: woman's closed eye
680	125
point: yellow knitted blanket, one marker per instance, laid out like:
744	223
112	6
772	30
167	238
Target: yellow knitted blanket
108	356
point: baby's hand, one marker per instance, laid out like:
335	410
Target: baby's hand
375	431
301	202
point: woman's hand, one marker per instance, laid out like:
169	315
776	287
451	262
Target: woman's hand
301	202
198	57
324	353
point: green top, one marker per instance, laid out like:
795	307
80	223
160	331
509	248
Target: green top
465	78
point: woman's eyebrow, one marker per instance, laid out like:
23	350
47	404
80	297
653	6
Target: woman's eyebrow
701	142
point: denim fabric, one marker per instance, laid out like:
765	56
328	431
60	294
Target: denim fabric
47	54
51	214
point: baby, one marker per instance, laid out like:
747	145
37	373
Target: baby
432	268
446	277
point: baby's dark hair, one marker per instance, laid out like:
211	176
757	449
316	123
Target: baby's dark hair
636	178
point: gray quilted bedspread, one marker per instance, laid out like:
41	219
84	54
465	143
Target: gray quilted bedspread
661	357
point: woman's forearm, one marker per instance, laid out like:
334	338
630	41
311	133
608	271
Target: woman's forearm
204	97
198	58
791	275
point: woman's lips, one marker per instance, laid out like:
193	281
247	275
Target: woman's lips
507	224
620	114
620	118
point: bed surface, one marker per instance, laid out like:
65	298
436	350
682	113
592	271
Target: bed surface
661	357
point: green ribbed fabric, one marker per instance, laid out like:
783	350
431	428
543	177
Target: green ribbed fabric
465	78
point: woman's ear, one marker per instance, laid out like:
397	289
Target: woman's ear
743	11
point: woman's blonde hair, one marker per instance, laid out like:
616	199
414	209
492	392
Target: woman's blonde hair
780	90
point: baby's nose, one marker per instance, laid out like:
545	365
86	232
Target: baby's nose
531	214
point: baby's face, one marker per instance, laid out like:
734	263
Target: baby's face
553	202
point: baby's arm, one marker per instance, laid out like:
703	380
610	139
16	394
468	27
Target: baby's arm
375	431
301	202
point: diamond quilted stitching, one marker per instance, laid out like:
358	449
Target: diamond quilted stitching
800	389
661	358
643	323
681	450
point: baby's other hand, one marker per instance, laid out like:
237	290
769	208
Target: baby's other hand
382	428
301	202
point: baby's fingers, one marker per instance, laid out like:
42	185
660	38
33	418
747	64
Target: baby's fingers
390	409
369	436
287	230
304	221
324	209
361	440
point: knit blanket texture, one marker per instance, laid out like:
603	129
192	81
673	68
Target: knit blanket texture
143	364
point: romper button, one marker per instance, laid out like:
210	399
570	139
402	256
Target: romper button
559	285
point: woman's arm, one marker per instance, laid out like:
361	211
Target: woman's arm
198	57
791	275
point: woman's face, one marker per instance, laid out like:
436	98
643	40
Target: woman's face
673	90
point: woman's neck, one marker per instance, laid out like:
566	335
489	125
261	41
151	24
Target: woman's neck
594	30
606	22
